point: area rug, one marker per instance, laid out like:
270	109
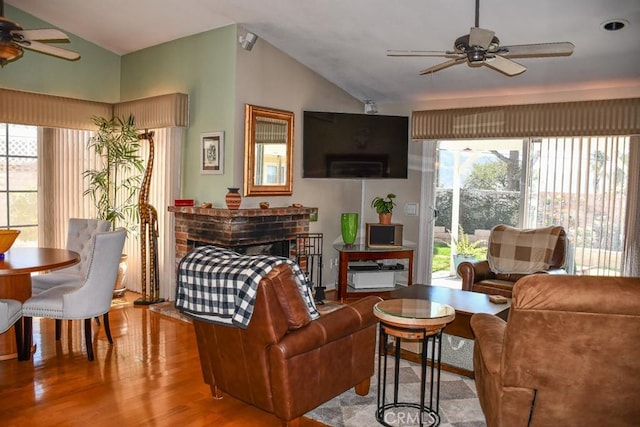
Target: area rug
168	308
459	406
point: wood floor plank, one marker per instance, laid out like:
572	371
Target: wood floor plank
150	376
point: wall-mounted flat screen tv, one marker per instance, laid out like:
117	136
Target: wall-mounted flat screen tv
347	145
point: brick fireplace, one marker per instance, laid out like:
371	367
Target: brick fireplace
237	229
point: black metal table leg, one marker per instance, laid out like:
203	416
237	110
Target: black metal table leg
425	415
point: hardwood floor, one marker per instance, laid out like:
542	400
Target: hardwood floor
150	376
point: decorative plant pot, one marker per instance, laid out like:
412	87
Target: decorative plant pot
385	218
349	226
233	198
121	280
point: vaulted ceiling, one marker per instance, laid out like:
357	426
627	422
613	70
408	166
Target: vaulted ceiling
346	41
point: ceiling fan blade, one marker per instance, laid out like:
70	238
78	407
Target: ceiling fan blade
505	66
421	53
480	37
443	65
50	50
45	34
535	50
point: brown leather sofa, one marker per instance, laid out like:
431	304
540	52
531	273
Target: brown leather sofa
478	277
569	354
284	362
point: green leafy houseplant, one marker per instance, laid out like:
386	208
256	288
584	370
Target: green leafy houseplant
384	205
464	247
115	183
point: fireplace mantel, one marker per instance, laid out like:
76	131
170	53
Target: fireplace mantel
239	227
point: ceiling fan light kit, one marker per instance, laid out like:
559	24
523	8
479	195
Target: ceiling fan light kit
13	39
482	47
9	52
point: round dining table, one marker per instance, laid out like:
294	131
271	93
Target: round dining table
15	280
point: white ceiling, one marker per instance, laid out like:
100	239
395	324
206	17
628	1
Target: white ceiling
346	41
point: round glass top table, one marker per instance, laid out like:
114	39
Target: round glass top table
411	319
15	280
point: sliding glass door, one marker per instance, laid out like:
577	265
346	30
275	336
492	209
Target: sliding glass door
579	183
478	185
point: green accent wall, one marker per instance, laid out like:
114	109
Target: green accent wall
95	76
204	67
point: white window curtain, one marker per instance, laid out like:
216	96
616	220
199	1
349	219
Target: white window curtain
582	184
64	158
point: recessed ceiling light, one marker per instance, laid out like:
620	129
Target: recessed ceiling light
614	24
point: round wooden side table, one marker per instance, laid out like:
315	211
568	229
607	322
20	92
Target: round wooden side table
414	319
15	281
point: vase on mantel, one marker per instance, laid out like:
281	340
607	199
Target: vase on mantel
233	198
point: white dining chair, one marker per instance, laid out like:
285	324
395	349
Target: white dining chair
80	232
91	299
10	314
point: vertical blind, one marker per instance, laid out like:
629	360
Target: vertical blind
582	184
65	128
63	160
580	126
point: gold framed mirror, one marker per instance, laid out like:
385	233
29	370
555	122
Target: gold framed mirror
268	160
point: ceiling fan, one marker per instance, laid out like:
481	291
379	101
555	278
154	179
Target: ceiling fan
482	47
13	39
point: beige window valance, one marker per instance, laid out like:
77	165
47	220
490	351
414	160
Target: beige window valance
171	110
162	111
586	118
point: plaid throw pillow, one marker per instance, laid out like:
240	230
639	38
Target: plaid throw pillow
515	251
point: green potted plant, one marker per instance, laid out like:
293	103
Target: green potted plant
115	182
464	249
384	207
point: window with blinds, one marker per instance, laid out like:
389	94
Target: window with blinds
581	183
19	181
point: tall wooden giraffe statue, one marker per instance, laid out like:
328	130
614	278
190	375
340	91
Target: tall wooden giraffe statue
148	234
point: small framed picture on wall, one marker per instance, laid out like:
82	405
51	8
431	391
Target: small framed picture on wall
212	153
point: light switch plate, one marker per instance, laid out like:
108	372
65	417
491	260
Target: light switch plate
411	209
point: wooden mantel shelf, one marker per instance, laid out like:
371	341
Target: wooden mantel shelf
254	212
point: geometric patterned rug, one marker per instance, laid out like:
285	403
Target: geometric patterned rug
459	405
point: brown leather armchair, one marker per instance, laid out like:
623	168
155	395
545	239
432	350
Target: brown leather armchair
478	277
569	354
284	362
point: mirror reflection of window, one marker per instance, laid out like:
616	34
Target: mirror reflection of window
271	151
268	151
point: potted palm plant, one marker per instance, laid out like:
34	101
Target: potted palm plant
465	250
384	207
115	182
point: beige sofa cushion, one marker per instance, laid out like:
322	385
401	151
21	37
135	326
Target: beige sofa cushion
517	251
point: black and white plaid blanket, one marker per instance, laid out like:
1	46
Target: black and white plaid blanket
220	285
